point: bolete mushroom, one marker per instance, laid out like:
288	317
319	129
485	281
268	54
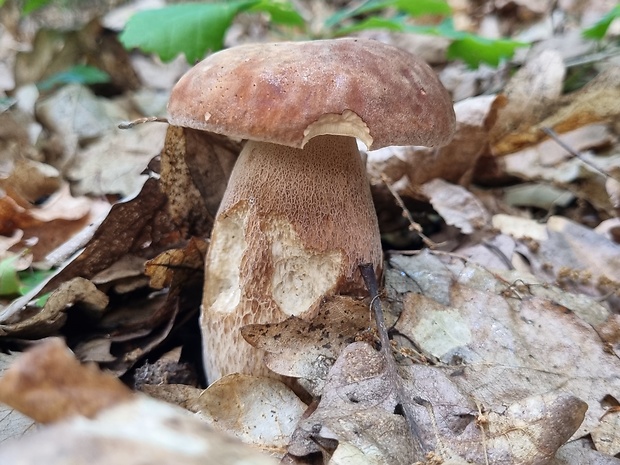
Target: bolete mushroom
297	218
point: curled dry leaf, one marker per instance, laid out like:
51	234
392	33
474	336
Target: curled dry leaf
49	319
307	349
260	411
457	206
173	266
195	167
48	384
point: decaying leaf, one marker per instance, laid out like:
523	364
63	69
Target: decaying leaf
260	411
526	99
513	336
195	167
103	415
48	384
457	206
114	163
357	411
49	319
302	349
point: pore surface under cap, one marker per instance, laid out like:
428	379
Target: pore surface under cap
273	92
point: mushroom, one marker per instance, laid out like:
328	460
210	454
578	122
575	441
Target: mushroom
297	218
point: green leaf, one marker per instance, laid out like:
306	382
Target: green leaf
9	282
280	12
475	50
424	7
411	7
80	74
374	22
32	5
29	279
189	28
598	31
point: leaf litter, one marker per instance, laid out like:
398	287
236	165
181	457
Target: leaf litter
506	335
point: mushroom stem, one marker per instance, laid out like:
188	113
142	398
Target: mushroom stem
293	227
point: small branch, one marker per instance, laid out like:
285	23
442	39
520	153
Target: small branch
554	135
370	279
147	119
413	226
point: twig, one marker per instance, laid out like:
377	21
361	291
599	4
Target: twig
146	119
368	273
554	135
413	226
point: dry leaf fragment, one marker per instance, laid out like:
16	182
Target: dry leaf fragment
357	411
48	384
526	100
195	167
49	319
259	411
308	349
511	335
456	205
136	432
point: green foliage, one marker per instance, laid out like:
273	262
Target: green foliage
598	31
196	28
9	282
32	5
14	282
80	74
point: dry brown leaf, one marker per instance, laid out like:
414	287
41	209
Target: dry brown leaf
135	432
113	164
526	100
302	349
195	167
173	266
512	336
47	226
48	320
139	226
456	205
259	411
48	384
32	180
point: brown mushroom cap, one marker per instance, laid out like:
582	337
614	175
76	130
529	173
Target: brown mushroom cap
275	92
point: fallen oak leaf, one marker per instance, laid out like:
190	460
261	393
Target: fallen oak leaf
307	349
